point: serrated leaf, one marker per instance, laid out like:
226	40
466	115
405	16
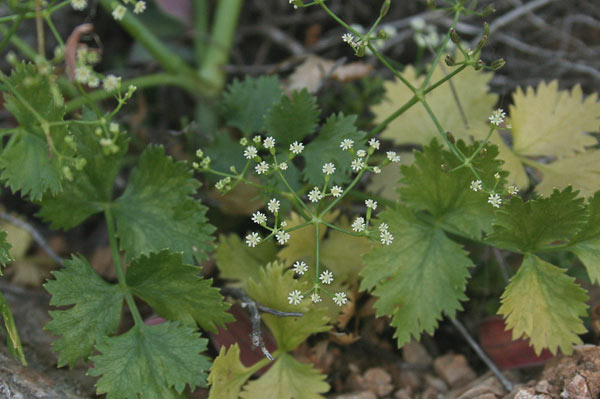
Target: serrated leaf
292	118
287	379
13	342
27	162
446	195
582	171
529	226
157	210
421	275
96	313
272	289
150	362
246	103
177	291
236	261
552	122
90	188
326	148
543	303
228	374
586	243
5	256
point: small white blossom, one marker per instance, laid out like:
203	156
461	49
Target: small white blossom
497	176
328	168
261	168
300	267
269	142
83	73
371	204
273	206
113	128
376	170
361	153
357	165
252	239
374	143
282	237
417	23
78	4
495	200
359	224
346	144
392	156
283	223
340	298
93	82
316	298
140	7
111	83
476	185
250	152
383	227
386	237
348	38
326	277
497	117
315	195
259	218
244	141
283	166
513	190
119	12
336	191
296	147
256	139
295	297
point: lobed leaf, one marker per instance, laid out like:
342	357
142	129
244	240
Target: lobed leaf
236	261
228	374
586	243
13	342
293	118
5	247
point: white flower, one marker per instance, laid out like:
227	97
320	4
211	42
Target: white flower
392	156
259	218
296	147
273	205
346	144
111	83
328	168
357	165
282	237
83	73
374	143
417	23
340	298
326	277
495	200
383	227
315	195
283	166
376	170
386	237
513	190
361	153
371	204
316	298
283	223
244	141
113	128
358	224
261	168
252	239
348	38
140	7
269	142
497	117
250	152
93	82
256	139
119	12
336	191
295	297
300	267
476	185
78	4
497	176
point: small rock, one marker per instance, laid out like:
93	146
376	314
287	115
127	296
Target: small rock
378	381
576	388
408	379
484	385
543	387
486	396
430	393
436	383
454	369
529	393
357	395
402	394
415	353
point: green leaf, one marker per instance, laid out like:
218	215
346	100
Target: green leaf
90	188
326	148
543	303
287	379
292	118
13	342
529	226
271	289
176	291
5	256
228	374
157	210
96	314
236	261
150	362
420	275
586	243
446	195
246	103
27	162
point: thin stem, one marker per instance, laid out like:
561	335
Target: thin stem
317	253
306	208
52	27
9	34
343	230
413	100
33	14
22	46
201	23
39	27
440	51
346	191
440	130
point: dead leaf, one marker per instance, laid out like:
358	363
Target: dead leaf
310	74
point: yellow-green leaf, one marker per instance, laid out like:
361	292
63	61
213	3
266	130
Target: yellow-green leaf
228	374
581	171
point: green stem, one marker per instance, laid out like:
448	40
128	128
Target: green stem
334	227
39	27
52	27
112	238
20	45
317	252
10	34
298	199
440	51
201	25
441	131
346	191
32	14
393	116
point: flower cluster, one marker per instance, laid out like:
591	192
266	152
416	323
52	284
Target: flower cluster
326	277
119	10
497	117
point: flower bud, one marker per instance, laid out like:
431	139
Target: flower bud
490	9
497	64
450	137
385	7
454	36
449	60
